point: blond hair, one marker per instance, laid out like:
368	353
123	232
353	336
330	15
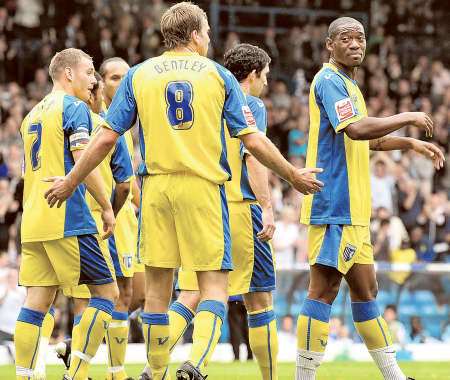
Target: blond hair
178	23
65	58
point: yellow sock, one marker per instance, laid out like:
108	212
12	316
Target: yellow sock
26	340
263	339
76	330
312	326
370	325
117	341
207	325
91	330
180	317
48	324
155	327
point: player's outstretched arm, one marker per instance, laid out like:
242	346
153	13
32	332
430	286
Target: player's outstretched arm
405	143
259	182
96	151
265	152
369	128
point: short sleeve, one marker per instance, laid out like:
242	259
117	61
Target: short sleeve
259	113
122	111
239	118
121	165
331	92
77	122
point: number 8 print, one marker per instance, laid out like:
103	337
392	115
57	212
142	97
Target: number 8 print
179	97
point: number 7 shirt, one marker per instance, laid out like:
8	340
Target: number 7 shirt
181	100
56	126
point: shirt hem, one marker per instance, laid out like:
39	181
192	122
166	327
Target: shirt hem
345	221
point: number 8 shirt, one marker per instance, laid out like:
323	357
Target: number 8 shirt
180	100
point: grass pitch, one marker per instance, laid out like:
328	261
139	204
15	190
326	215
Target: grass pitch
249	371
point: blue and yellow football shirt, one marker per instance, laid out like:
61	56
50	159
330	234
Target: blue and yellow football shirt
57	125
181	100
115	168
335	101
238	189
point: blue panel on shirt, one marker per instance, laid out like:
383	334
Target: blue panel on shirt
329	90
122	112
78	219
234	102
121	166
259	112
331	157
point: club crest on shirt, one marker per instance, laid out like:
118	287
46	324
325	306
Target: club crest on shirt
249	118
349	252
344	109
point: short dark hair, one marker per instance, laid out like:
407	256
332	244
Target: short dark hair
391	307
242	59
102	69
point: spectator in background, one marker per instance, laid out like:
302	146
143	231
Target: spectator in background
397	329
237	320
298	138
418	334
8	212
394	234
382	183
410	201
285	238
422	245
11	299
40	87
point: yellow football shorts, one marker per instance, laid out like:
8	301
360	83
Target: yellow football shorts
69	261
123	244
254	267
339	246
80	291
184	222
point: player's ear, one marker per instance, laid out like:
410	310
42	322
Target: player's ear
68	73
328	44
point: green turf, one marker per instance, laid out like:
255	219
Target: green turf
247	371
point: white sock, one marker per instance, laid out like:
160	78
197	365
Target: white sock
385	359
147	370
39	370
307	364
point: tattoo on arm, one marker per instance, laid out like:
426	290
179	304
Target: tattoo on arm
378	143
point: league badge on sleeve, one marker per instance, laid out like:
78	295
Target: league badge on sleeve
344	109
249	118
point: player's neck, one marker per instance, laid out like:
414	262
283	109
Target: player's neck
58	86
245	87
349	71
184	49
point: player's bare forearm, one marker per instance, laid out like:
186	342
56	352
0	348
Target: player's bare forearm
259	181
94	183
369	128
121	192
97	150
268	154
391	143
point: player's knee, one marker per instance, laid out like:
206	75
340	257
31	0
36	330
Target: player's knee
324	294
189	298
108	291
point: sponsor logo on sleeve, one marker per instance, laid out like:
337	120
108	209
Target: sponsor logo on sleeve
249	118
344	109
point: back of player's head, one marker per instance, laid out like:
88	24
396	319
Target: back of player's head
242	59
178	23
70	57
103	67
342	23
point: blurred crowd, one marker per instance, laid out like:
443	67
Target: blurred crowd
411	205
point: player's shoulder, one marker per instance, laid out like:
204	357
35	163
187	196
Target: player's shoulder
97	121
327	76
256	102
71	104
224	73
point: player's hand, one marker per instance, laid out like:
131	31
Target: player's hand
268	225
423	121
431	151
303	180
109	223
59	192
